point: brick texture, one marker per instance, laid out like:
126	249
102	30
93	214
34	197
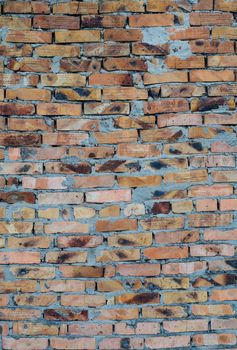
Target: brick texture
118	180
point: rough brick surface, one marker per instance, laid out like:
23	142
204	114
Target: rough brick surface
118	180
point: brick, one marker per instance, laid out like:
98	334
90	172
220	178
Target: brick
222	5
214	339
150	49
127	6
185	297
58	109
124	63
56	22
167	342
206	220
224	32
118	314
122	35
57	50
190	34
27	94
165	253
29	36
73	8
77	36
14	22
151	20
15	79
106	108
34	329
162	223
141	181
176	105
118	225
26	7
106	49
176	77
124	93
66	227
168	5
15	108
209	19
135	123
108	79
140	239
174	62
203	5
227	176
99	21
212	310
11	343
94	329
186	326
211	76
211	46
17	258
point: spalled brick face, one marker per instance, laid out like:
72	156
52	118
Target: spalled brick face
118	180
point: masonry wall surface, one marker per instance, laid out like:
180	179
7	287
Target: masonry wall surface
118	174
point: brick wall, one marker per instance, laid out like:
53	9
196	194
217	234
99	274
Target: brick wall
118	174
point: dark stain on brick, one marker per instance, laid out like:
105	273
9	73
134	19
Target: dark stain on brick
79	241
143	298
159	50
90	271
82	92
115	108
143	124
91	155
176	136
79	168
65	256
65	315
176	20
22	272
158	194
165	312
123	241
207	104
232	263
121	255
27	153
134	166
60	96
187	237
161	208
30	243
92	22
153	93
197	146
111	165
22	140
125	343
15	197
158	165
24	169
193	295
172	150
177	280
229	279
199	42
151	286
